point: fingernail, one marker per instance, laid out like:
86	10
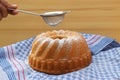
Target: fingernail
14	6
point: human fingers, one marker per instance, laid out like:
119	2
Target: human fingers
5	3
3	11
14	10
0	16
11	6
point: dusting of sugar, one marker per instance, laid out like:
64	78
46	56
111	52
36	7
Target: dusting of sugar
41	43
45	52
60	45
68	46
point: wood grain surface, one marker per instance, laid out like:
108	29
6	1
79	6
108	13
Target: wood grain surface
88	16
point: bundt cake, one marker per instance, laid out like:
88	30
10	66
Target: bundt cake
59	52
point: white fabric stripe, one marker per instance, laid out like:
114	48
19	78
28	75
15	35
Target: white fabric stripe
11	63
90	38
17	68
96	42
92	41
21	64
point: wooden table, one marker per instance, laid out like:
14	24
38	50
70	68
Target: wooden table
88	16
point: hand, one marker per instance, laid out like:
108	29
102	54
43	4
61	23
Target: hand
4	5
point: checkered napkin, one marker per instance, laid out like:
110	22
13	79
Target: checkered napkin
105	62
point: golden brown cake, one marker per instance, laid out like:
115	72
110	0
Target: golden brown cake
59	52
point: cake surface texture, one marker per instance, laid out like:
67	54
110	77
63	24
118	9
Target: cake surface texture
59	52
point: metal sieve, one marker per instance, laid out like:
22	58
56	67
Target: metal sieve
50	18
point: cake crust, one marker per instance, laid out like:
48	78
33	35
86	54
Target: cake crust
59	52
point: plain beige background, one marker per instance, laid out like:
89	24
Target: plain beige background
88	16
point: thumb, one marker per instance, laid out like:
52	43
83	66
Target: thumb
13	10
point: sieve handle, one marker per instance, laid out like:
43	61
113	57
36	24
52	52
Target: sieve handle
23	11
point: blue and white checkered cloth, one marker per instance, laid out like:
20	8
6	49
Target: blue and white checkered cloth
105	61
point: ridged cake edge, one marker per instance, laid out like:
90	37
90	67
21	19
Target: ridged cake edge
61	66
